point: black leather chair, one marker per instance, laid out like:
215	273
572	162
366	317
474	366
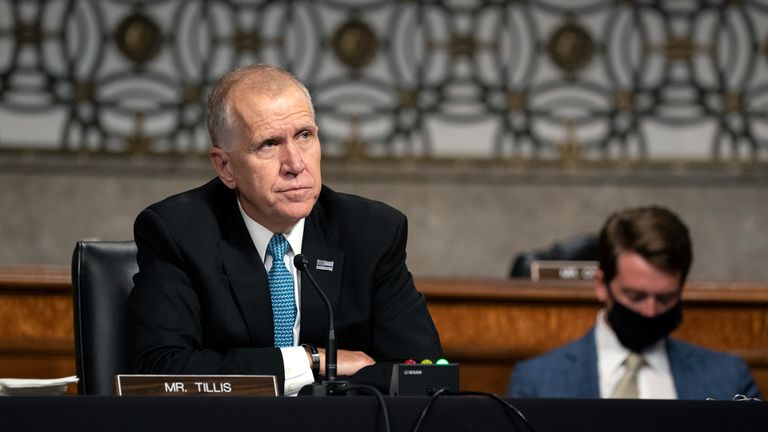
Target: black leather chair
102	278
579	248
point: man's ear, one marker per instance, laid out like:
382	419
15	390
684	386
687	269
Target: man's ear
601	289
221	163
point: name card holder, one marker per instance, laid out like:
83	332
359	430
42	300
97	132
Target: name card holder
196	385
563	270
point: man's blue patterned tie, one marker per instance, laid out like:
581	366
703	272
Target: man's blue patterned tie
282	292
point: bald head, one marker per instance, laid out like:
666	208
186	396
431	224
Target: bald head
259	79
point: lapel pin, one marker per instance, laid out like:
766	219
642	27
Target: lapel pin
324	265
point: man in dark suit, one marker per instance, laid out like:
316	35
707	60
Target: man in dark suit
645	254
217	291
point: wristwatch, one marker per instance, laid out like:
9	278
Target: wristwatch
312	350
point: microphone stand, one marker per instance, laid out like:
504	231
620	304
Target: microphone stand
331	385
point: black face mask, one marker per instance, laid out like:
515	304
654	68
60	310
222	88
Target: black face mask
637	332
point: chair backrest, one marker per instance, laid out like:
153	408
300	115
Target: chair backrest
579	248
102	278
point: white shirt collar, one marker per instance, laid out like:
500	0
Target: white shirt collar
611	355
261	236
611	352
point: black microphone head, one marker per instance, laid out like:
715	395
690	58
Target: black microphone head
301	262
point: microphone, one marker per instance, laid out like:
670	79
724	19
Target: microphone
329	386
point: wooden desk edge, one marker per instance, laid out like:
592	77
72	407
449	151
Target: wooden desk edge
39	277
58	278
515	290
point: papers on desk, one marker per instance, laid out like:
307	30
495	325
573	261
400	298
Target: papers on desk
35	387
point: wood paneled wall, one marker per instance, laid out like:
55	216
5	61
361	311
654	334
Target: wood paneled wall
488	326
36	322
485	325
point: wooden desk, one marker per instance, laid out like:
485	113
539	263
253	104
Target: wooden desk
488	326
485	325
36	322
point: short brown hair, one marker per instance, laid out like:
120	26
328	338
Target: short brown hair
655	233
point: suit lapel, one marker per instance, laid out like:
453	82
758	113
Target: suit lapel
685	381
248	279
326	265
584	381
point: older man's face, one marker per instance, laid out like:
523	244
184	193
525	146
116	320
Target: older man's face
274	163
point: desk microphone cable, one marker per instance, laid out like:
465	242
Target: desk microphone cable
445	392
379	397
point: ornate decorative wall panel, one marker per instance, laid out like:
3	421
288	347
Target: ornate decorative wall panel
566	80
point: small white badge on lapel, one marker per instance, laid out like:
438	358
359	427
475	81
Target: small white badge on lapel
324	265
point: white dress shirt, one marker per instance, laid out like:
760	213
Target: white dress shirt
654	379
298	372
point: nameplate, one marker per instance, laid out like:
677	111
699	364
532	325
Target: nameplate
563	270
196	385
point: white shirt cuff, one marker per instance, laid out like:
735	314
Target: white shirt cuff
298	373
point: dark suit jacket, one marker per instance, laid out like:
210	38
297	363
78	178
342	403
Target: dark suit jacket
201	303
571	372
